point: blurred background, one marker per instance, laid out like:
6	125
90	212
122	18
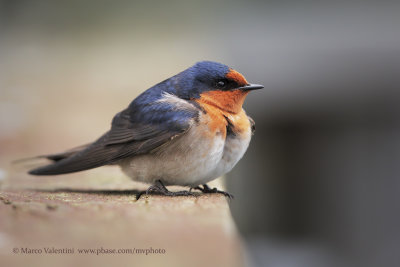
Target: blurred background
319	185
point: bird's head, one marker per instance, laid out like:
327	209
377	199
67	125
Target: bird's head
215	84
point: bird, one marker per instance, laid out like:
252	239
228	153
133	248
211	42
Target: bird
186	130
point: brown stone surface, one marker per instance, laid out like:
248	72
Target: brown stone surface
98	209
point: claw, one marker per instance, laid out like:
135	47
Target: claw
206	189
159	189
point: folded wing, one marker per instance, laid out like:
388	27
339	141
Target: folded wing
140	128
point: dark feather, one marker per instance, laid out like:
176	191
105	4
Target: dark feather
252	124
64	155
139	129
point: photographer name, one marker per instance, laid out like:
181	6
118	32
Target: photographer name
47	250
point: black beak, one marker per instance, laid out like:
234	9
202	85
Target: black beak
250	87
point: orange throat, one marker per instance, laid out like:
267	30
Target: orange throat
226	101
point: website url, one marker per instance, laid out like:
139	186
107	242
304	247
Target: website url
144	251
91	251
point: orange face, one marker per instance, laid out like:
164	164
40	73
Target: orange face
229	101
233	75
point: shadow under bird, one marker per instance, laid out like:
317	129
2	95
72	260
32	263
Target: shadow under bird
187	131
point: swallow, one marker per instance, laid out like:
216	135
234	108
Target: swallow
186	130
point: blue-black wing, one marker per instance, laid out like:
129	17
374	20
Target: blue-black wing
140	128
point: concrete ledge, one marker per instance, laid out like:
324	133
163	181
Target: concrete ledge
179	231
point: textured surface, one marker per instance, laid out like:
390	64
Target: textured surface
98	210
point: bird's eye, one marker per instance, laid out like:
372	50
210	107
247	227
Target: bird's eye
221	84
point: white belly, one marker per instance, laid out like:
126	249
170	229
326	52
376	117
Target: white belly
189	160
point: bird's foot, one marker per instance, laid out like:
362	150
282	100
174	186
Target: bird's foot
206	189
159	189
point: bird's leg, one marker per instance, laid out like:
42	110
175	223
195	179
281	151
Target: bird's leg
207	189
158	188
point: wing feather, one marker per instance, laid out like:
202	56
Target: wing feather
139	129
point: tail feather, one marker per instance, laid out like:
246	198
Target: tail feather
84	158
34	162
64	155
63	163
